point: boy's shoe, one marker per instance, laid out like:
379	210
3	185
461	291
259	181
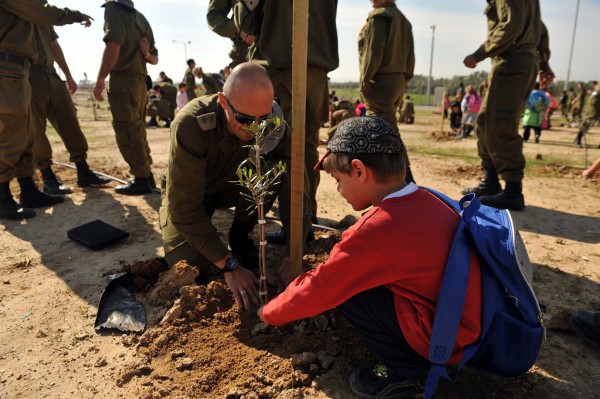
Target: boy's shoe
381	382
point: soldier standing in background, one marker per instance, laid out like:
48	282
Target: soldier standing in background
163	78
52	100
387	61
129	46
222	25
17	51
190	80
517	42
272	26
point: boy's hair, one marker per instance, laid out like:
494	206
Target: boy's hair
369	139
182	84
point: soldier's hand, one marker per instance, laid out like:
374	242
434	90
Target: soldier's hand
470	61
244	287
98	89
546	78
71	85
144	46
87	22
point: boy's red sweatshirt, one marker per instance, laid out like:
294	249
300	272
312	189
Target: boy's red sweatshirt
402	244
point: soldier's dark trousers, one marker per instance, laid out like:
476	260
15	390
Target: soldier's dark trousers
52	101
127	99
16	141
383	99
498	141
316	114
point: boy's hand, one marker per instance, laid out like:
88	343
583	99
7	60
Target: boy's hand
259	313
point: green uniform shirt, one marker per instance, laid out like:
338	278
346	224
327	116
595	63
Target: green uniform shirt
592	110
189	79
17	19
168	90
203	160
126	26
408	108
217	18
45	35
272	25
210	84
385	44
514	26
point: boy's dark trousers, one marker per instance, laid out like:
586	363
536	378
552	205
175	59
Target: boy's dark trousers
527	132
373	315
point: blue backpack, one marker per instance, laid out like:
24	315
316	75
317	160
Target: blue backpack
511	319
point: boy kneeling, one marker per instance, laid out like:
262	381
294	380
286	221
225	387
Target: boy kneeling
386	273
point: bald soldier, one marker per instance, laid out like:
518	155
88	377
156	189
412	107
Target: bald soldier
129	47
17	51
208	143
53	101
272	26
220	23
517	43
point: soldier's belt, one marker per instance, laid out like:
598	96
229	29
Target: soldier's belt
42	69
128	74
15	59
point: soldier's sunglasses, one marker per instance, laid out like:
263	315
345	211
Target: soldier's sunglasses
247	119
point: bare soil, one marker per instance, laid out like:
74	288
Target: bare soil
50	288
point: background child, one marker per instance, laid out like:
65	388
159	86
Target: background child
386	273
534	112
455	117
470	105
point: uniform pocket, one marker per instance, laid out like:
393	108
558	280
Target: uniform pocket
15	93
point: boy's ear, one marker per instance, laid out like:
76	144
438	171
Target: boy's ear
359	169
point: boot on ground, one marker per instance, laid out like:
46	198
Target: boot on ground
51	184
135	186
32	197
510	198
488	185
9	209
86	177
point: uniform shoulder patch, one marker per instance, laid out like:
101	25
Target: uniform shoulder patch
207	121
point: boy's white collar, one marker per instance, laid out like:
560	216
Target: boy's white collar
408	189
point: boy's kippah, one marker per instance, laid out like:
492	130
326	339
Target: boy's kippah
363	135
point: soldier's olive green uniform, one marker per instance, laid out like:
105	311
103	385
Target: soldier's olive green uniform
578	103
159	107
591	114
210	84
387	61
515	46
218	22
168	92
52	100
127	85
272	49
200	178
17	50
190	81
408	111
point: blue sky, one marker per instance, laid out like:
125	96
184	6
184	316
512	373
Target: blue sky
460	29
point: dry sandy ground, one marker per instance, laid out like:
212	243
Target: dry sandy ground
50	286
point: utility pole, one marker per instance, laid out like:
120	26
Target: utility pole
184	47
572	46
430	66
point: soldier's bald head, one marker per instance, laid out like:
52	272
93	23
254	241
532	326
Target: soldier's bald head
246	79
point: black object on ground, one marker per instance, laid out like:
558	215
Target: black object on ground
118	308
97	234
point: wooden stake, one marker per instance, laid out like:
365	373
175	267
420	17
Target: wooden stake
299	56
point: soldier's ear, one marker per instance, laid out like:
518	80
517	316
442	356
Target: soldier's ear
222	100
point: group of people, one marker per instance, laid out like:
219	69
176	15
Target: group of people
386	285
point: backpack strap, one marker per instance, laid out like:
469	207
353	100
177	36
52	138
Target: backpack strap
452	296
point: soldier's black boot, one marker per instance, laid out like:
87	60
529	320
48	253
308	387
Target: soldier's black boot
32	197
86	177
241	245
135	186
488	185
510	198
577	142
9	209
52	184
